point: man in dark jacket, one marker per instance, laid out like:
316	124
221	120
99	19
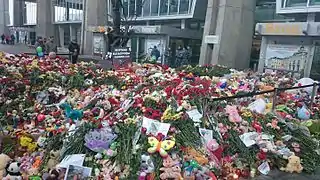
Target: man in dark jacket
74	50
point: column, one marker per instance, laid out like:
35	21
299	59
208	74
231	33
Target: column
262	58
61	36
18	13
45	27
209	29
4	6
95	15
234	26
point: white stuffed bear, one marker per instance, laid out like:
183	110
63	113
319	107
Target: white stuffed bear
13	171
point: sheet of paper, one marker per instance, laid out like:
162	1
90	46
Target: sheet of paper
77	172
195	115
74	159
249	138
206	135
258	106
264	168
155	127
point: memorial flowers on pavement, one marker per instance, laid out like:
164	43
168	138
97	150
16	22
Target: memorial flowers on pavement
151	122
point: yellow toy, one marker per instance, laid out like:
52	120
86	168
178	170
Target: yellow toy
294	165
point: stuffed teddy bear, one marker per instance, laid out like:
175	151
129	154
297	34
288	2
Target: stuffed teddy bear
234	116
13	171
4	160
54	159
294	165
170	169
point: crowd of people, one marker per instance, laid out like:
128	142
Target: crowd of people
8	39
47	46
181	57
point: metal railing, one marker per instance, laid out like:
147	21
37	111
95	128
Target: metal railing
275	91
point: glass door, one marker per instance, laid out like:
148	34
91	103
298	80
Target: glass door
315	68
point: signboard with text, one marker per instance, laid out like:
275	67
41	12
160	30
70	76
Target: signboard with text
121	57
288	29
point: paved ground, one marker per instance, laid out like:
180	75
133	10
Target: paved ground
22	48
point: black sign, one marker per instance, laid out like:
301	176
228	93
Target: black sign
121	57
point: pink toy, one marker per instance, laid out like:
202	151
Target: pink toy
233	114
215	152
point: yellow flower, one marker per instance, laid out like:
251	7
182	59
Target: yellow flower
32	146
24	141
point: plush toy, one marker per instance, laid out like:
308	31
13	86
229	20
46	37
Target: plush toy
33	174
215	152
192	154
170	169
54	174
303	113
294	165
73	114
4	160
233	114
147	165
54	159
13	171
160	146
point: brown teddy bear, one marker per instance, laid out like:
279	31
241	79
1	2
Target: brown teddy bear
294	165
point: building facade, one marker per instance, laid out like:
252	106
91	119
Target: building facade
166	24
293	43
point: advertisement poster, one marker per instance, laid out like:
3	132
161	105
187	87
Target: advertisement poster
286	57
121	57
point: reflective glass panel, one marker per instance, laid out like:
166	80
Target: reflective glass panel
146	8
314	2
154	7
139	4
30	16
125	4
11	13
132	8
184	6
173	7
164	7
294	3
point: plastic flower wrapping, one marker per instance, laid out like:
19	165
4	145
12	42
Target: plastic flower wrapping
99	140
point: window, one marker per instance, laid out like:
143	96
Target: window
314	2
30	13
164	7
125	4
154	7
184	6
173	7
146	8
132	8
11	13
294	3
72	10
139	4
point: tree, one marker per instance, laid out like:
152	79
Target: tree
121	31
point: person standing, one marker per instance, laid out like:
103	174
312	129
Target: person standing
25	39
13	38
3	38
50	46
74	50
155	53
7	39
